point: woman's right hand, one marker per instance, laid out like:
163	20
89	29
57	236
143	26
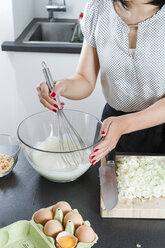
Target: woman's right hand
48	98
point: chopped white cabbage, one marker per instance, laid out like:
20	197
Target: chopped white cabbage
141	177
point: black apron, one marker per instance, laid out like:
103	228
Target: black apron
146	141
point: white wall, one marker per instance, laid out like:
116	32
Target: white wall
23	13
14	16
74	7
8	94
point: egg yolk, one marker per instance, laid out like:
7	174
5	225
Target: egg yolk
66	242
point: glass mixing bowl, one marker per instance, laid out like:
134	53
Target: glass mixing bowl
9	150
39	136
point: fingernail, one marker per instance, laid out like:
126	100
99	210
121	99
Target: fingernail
92	156
102	132
54	110
96	150
62	103
55	105
93	161
53	94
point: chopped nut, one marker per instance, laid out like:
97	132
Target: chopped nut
6	163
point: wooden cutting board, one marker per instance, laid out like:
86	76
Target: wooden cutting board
153	209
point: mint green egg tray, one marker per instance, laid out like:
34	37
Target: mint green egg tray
28	234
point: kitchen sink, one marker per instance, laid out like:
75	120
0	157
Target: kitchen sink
40	35
46	32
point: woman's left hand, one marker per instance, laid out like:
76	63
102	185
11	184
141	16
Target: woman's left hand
112	129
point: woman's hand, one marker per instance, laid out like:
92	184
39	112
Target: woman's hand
48	98
112	129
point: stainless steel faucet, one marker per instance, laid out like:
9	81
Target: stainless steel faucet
51	8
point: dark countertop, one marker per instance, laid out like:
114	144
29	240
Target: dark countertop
19	45
24	191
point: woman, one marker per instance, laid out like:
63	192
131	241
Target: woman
124	40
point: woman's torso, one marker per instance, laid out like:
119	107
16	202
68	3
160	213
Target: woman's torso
131	81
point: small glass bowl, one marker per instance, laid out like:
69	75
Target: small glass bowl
9	146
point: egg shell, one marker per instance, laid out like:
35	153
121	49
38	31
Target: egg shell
66	235
43	215
85	234
52	228
63	205
75	217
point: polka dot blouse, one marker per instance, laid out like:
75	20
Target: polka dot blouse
130	81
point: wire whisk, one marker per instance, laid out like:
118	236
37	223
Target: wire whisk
69	139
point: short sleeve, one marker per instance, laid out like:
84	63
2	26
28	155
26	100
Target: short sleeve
89	22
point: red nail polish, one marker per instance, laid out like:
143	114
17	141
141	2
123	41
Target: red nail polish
96	150
92	156
55	105
102	132
53	94
62	103
54	110
93	161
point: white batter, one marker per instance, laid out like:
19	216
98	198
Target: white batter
58	167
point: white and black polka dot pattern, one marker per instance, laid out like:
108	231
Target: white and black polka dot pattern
130	81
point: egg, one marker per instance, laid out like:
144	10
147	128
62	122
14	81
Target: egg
52	228
85	234
75	217
43	215
63	205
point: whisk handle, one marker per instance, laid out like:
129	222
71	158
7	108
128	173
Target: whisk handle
49	81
